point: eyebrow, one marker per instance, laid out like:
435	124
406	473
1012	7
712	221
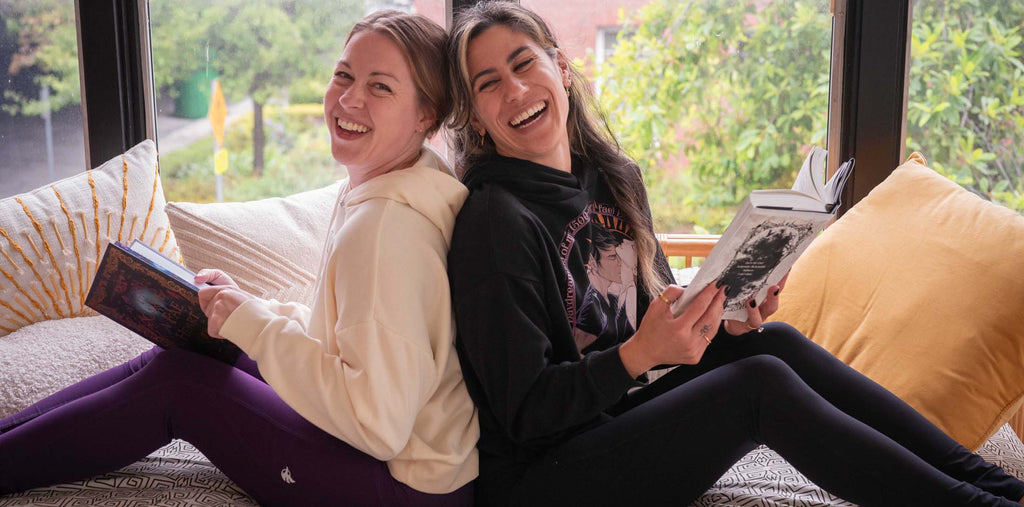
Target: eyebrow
511	57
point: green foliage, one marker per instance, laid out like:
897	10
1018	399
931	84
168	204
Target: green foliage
259	49
966	94
298	158
47	41
715	98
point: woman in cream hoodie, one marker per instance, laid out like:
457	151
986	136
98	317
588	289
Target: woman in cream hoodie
358	400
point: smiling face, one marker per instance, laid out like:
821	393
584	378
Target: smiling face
372	109
519	97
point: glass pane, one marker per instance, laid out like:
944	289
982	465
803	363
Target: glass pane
41	137
713	98
965	111
272	61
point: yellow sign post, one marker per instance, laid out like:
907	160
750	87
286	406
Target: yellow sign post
218	114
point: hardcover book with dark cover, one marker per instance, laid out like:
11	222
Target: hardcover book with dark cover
154	304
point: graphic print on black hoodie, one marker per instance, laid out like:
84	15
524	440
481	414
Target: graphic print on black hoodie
606	311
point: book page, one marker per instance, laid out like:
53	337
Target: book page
811	177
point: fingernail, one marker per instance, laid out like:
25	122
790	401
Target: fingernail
753	304
718	283
776	293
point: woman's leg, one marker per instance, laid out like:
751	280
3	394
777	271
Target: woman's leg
233	418
99	382
856	395
675	446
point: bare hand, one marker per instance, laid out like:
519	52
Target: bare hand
217	302
757	314
664	339
214	277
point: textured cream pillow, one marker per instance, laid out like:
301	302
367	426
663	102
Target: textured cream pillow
920	286
270	247
52	237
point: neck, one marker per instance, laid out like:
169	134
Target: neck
359	174
559	158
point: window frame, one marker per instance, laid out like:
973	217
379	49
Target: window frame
867	104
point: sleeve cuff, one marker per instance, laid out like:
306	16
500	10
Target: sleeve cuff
244	324
609	374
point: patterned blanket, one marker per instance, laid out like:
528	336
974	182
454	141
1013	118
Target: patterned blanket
179	475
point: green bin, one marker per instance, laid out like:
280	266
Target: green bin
193	99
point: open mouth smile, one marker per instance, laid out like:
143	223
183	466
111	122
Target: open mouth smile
529	116
352	127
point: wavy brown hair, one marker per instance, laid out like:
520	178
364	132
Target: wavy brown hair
422	43
589	135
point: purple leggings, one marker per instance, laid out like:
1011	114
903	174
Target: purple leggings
115	418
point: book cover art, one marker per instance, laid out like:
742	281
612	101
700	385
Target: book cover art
153	304
761	252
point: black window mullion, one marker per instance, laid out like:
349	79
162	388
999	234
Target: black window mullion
874	91
113	94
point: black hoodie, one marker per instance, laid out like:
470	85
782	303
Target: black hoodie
541	266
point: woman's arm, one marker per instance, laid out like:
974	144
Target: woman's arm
367	385
529	382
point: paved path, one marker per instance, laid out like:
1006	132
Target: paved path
23	158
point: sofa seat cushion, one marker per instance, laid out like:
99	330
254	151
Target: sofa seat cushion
42	358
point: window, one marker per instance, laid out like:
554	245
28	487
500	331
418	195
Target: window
606	39
271	61
966	94
41	136
713	98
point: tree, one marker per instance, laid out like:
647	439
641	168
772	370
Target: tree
47	48
257	47
966	108
715	98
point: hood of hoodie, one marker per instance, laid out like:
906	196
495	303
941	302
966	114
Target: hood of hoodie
524	179
429	186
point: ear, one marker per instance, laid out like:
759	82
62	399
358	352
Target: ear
427	118
563	67
475	122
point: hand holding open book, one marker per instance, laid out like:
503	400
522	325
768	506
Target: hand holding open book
769	232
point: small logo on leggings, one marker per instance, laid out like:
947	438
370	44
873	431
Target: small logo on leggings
286	476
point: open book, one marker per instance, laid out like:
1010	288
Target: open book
769	232
155	297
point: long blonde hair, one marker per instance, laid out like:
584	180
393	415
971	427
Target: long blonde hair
589	135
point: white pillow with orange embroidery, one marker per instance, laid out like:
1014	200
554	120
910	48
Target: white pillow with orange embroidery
51	238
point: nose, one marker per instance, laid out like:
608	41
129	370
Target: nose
351	97
515	90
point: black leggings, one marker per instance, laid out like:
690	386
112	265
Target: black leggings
840	429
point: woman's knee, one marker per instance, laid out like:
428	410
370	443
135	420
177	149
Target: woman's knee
766	373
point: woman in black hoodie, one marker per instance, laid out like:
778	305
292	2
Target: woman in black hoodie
557	323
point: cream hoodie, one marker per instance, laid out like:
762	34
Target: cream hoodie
373	362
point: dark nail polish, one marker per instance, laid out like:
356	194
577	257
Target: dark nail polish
753	304
718	284
776	293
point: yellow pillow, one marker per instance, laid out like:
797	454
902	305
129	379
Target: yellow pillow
51	238
920	286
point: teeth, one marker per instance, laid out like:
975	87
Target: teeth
352	127
526	114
